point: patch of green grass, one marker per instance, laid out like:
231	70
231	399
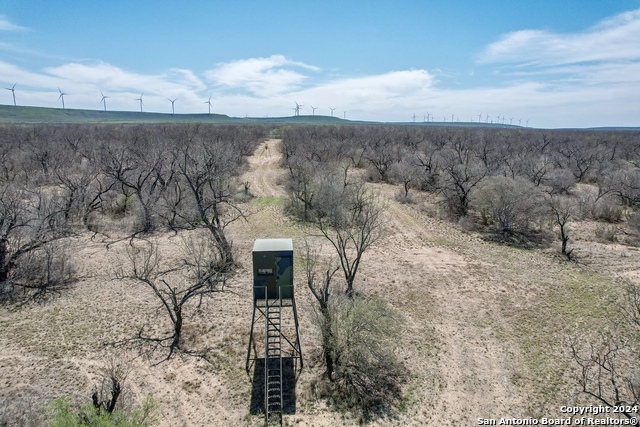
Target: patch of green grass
265	201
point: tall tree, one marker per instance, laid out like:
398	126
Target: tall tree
350	217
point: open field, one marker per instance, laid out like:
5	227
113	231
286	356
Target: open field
486	324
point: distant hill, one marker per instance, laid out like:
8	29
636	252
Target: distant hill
19	114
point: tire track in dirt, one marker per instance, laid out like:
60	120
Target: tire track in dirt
464	370
265	172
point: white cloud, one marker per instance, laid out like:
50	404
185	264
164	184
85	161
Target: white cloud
261	76
588	78
257	87
83	82
613	39
108	76
6	25
373	95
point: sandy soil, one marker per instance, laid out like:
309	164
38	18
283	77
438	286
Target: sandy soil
474	310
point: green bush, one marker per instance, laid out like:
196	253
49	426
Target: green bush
363	341
509	204
63	414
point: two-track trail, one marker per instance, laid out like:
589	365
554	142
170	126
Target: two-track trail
461	371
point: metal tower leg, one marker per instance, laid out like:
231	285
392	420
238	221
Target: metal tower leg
295	319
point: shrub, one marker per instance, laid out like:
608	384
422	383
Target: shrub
404	197
606	232
363	338
62	414
634	222
608	209
510	204
560	181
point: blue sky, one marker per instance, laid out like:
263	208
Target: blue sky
569	63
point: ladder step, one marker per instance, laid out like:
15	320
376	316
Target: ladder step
273	357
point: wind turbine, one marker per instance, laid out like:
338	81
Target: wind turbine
527	123
140	99
331	111
344	115
452	118
519	122
104	100
428	116
479	117
298	108
414	117
510	120
209	102
314	109
61	97
13	92
173	101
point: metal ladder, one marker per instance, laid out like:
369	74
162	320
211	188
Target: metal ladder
273	359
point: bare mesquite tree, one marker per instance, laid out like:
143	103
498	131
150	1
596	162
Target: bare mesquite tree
381	152
563	210
359	338
461	173
624	182
351	218
31	223
207	172
607	367
199	273
113	376
302	184
322	290
407	172
136	163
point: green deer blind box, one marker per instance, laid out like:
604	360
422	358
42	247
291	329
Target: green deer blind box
274	340
273	268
